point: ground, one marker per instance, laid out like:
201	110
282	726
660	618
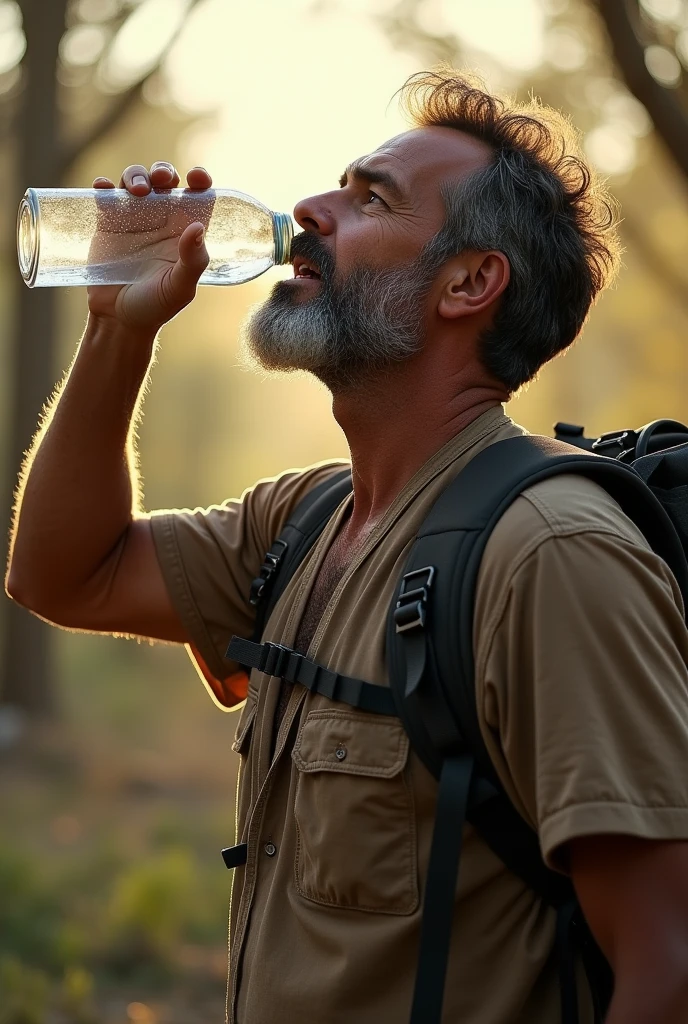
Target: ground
113	894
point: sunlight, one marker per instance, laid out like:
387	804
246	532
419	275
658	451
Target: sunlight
293	106
142	38
511	33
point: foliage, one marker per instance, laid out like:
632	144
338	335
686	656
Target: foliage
23	993
113	891
30	914
151	903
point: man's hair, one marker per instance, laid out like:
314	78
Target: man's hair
537	202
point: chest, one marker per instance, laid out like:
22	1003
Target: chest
329	575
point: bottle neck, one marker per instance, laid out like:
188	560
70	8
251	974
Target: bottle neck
283	232
28	236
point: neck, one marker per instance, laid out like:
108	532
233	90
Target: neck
394	424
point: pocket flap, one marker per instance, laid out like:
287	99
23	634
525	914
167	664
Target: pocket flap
348	741
243	730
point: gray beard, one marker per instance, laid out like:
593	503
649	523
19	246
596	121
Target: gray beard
346	334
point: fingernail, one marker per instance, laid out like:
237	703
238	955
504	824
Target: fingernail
138	179
199	237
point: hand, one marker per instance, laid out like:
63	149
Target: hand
173	244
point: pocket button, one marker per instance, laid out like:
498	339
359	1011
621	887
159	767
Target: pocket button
340	753
270	849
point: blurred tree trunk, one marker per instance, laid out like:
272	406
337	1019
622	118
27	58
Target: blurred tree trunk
666	106
45	153
26	676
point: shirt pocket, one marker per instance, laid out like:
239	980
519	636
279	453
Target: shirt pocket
244	729
355	820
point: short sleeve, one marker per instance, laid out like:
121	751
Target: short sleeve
582	686
210	556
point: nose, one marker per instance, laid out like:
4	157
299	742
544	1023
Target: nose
315	214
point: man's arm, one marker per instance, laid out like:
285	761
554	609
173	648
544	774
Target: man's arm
82	552
634	894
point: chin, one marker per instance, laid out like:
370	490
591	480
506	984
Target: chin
284	293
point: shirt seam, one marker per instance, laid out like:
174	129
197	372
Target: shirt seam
591	804
495	620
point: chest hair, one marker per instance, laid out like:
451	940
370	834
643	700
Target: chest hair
330	573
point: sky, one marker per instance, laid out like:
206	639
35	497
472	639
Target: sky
295	89
289	91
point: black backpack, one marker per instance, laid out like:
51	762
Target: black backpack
431	668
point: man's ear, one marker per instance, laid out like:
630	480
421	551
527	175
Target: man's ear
475	280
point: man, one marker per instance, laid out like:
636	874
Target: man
450	265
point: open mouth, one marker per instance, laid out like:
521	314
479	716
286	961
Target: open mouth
304	268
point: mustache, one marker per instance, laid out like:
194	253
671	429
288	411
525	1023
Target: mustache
310	247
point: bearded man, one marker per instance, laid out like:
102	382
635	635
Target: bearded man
450	265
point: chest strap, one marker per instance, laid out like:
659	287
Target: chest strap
276	660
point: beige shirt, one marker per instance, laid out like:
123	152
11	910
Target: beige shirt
582	692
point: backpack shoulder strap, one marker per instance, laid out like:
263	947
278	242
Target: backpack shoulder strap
445	561
430	654
298	536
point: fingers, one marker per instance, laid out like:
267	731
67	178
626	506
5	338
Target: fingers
135	179
193	259
139	181
163	175
198	178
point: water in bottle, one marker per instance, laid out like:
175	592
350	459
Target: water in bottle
106	236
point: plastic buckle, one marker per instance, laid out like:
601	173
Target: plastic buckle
235	856
617	439
267	571
274	659
411	607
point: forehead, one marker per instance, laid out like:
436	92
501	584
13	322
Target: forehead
424	157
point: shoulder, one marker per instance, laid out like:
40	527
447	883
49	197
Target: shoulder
568	539
245	526
563	506
273	499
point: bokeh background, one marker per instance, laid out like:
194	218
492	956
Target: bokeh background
116	774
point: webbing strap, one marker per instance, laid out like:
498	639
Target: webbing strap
566	949
276	660
415	648
440	890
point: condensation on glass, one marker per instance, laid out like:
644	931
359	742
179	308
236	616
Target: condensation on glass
107	236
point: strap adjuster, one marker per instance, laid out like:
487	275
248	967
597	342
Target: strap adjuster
267	571
274	659
411	607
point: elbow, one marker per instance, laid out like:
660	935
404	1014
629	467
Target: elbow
23	591
16	588
13	587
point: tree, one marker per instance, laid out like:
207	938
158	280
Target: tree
648	42
47	144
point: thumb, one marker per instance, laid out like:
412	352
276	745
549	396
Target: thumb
193	259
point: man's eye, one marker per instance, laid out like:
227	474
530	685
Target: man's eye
373	195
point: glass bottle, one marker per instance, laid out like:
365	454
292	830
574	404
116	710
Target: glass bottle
69	236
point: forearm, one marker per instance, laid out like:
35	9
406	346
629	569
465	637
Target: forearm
79	486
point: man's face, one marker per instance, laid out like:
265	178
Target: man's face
358	300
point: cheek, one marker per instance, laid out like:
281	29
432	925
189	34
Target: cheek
366	243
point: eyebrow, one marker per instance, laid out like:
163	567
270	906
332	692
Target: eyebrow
373	176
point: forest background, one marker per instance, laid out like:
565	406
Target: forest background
116	773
